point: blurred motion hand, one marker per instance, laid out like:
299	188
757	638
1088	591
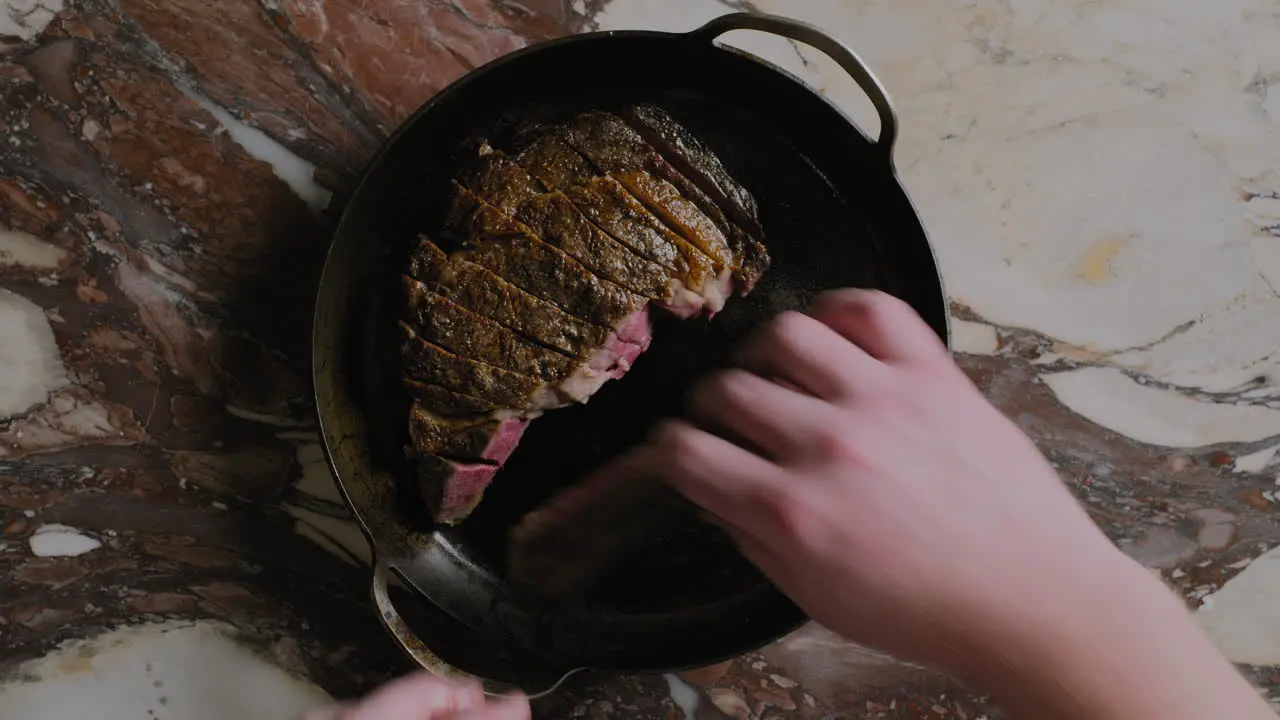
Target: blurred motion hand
882	493
858	467
423	696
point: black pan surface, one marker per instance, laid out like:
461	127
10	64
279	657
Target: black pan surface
834	216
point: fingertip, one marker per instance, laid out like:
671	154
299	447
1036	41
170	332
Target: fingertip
885	326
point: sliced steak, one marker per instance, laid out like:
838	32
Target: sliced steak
451	489
552	160
695	161
511	250
614	147
555	218
610	207
443	322
597	144
617	148
433	365
447	402
541	291
663	200
501	181
484	293
469	437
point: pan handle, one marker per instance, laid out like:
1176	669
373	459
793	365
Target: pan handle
814	37
421	654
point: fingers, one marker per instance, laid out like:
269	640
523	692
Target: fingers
776	420
884	326
760	552
800	350
415	697
508	707
725	480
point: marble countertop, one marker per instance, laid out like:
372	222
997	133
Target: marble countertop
1101	181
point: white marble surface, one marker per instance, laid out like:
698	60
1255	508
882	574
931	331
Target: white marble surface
199	671
29	357
1101	173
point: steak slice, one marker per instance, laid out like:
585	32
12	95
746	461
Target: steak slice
663	200
451	489
443	322
480	437
617	148
553	218
608	205
448	402
433	365
484	293
498	179
614	147
563	158
552	160
511	250
695	161
556	219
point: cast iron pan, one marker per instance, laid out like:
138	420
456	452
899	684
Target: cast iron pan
834	216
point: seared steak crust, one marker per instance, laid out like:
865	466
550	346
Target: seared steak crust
484	293
540	290
463	332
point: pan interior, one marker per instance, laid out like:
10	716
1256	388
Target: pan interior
833	216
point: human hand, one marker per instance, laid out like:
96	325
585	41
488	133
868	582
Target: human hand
883	494
423	696
897	507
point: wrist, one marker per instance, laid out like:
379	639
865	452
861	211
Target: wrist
1055	624
1120	646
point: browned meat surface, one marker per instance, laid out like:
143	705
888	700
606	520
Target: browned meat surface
553	161
433	365
484	293
511	250
695	161
540	292
478	437
608	205
554	217
500	180
464	437
443	322
617	148
445	401
663	200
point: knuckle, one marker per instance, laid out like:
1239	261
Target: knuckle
788	512
833	442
